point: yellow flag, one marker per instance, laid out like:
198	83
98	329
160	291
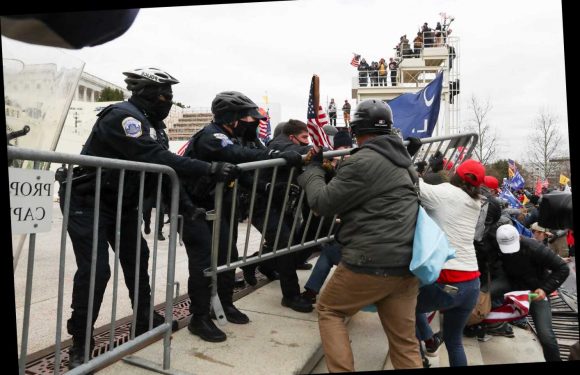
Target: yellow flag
510	173
526	200
564	180
265	98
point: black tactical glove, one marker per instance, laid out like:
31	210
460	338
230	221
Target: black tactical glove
414	145
293	158
222	172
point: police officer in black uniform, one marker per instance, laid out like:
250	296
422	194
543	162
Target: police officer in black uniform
234	113
131	130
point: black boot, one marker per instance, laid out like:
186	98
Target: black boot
233	315
160	236
205	328
297	303
250	274
76	353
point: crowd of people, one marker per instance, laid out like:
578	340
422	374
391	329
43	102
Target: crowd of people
375	74
379	188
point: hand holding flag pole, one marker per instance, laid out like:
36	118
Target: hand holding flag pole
316	117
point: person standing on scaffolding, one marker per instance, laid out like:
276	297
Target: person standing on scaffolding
393	66
332	112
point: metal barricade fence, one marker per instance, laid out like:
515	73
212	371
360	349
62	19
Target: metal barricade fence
134	343
454	148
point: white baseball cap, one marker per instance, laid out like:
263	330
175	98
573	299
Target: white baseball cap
508	239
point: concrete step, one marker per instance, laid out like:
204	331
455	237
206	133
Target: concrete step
366	332
277	340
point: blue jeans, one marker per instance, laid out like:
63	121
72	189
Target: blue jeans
541	312
456	310
329	256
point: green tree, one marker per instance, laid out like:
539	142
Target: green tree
110	95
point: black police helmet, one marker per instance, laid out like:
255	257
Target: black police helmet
139	78
372	116
230	106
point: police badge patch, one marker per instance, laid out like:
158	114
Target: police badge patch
224	139
132	127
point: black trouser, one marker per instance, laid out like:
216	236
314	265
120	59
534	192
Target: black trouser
148	205
284	264
80	230
332	117
197	236
393	78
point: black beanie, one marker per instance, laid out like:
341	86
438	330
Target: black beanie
342	139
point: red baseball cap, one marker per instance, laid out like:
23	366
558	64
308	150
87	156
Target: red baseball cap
471	171
491	182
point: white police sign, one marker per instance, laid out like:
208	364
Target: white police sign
31	200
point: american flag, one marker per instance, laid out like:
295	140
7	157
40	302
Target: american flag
516	305
182	148
355	60
265	131
316	117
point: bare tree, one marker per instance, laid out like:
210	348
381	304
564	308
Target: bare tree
544	143
486	146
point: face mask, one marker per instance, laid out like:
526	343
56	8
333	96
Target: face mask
155	108
160	110
246	129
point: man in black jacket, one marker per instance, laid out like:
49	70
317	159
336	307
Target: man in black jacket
294	138
131	130
234	113
530	265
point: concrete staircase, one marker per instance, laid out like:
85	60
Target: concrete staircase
281	341
187	125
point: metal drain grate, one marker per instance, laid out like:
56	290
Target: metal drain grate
564	323
42	362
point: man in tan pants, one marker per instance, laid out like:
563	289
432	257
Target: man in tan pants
378	213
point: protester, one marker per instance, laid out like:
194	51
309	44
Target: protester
530	265
375	262
455	207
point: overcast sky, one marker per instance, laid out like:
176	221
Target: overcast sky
511	52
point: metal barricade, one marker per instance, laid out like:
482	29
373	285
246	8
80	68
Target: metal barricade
134	343
453	148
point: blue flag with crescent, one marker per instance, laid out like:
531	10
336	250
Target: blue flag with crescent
416	113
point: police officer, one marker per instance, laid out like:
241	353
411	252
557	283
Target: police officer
234	114
131	130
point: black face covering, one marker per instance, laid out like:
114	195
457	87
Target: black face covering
160	110
148	97
246	129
